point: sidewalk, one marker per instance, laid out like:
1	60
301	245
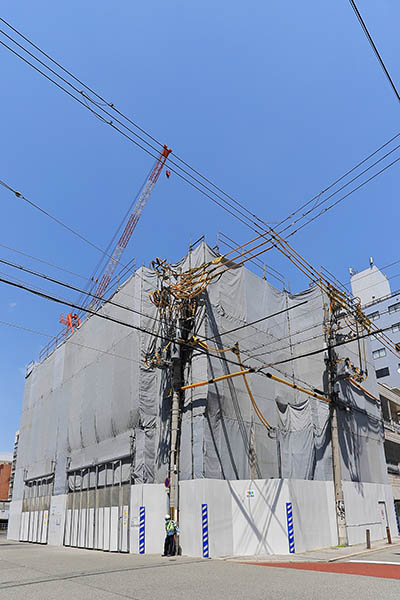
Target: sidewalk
323	555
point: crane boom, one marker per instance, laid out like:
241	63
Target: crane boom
130	227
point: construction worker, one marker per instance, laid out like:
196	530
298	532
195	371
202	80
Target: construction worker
171	529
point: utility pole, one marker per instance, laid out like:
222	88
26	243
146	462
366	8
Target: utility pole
336	458
174	455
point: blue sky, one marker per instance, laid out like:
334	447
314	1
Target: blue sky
271	100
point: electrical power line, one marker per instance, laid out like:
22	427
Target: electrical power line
395	262
128	119
252	224
111	123
314	352
49	297
130	309
45	262
100	315
52	217
318	204
279	312
249	223
318	196
374	48
259	370
244	212
36	332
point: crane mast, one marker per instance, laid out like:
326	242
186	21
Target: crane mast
130	227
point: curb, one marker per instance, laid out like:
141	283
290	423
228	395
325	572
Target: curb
386	546
247	560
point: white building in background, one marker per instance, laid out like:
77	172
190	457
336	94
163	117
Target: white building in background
369	285
13	465
382	306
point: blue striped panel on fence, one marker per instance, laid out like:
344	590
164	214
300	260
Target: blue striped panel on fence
204	521
142	529
290	529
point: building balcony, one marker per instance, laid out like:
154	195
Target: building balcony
392	431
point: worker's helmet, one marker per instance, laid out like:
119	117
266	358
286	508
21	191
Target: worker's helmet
167	517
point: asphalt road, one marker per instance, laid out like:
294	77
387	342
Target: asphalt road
44	572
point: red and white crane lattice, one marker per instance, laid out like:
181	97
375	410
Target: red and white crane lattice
125	237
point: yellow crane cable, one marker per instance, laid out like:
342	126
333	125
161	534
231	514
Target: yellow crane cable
296	387
207	347
196	280
216	379
354	382
263	420
251	370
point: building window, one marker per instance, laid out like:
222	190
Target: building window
382	372
375	315
394	307
380	353
395	327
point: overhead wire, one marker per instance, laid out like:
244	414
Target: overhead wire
70	341
128	119
324	200
323	211
202	340
359	164
243	209
320	350
267	269
45	262
251	369
250	221
111	123
374	48
251	323
202	191
52	217
98	314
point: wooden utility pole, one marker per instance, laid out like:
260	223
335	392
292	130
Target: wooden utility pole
174	454
336	458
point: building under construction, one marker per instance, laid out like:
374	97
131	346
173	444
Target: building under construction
201	389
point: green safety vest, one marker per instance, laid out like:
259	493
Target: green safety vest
169	526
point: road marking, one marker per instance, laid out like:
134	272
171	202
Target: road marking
375	562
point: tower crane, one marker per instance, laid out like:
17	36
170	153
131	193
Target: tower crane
72	321
130	227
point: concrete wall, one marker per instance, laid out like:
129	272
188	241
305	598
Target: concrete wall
363	510
313	514
57	520
155	500
14	520
216	494
244	517
259	521
249	517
